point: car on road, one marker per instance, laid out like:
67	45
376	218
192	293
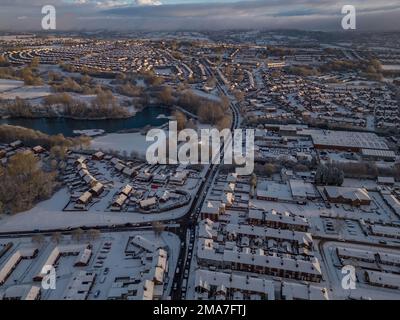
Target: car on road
106	271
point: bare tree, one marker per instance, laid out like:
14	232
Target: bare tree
56	237
38	239
158	228
93	234
77	234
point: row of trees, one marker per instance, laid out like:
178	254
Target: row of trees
33	138
369	170
303	71
18	108
83	85
372	69
130	90
30	74
105	105
77	235
334	173
26	74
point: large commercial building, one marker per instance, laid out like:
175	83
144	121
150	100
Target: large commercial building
345	140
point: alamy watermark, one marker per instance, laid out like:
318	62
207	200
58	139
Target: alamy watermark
49	277
205	149
349	21
49	20
349	279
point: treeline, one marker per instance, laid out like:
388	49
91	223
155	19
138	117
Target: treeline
278	51
32	138
28	74
105	105
23	183
18	108
130	90
274	166
9	73
371	69
368	170
334	172
208	111
303	71
151	79
82	85
4	62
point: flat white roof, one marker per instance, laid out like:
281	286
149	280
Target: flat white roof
207	251
386	230
383	279
292	291
273	216
362	140
221	280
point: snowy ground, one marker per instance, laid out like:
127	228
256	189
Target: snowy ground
26	92
205	95
49	215
119	264
121	142
362	291
6	85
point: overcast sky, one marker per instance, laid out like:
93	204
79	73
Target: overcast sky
199	14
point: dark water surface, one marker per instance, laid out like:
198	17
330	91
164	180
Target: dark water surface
53	126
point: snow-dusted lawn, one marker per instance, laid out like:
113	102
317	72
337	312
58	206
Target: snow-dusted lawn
6	84
122	142
27	92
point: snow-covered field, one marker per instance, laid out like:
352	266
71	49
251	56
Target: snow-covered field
6	84
122	142
26	92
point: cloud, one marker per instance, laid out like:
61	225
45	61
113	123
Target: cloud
205	15
148	2
299	14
